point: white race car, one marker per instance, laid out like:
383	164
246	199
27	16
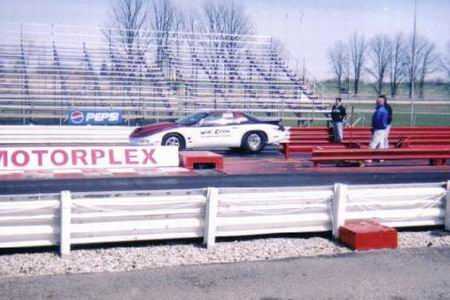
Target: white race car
210	130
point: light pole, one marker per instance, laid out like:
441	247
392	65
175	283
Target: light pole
301	39
413	66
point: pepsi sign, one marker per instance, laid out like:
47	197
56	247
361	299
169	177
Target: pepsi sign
79	117
76	117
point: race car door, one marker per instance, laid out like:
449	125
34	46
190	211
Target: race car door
216	130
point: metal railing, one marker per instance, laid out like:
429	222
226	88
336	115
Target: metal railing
66	64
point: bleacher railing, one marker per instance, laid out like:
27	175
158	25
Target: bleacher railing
46	70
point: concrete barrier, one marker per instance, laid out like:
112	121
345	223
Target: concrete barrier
64	135
81	218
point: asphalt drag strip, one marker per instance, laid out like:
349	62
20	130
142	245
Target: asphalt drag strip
184	182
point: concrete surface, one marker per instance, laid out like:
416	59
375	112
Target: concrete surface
403	274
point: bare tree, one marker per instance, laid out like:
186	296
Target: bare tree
338	59
445	61
421	61
397	70
411	61
104	71
379	53
192	26
128	20
427	63
90	76
230	20
226	17
117	69
226	22
358	51
126	37
165	18
2	69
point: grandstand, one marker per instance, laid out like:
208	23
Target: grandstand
47	71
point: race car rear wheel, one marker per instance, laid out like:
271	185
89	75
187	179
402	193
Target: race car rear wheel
174	139
254	141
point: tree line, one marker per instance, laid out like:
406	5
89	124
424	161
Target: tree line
131	22
388	61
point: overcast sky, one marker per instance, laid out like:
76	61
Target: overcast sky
306	27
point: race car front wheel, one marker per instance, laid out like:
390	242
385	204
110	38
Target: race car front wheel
174	140
254	142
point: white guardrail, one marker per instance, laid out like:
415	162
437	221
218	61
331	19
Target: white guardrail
71	135
69	218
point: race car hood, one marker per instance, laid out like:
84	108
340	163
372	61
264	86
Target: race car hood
152	129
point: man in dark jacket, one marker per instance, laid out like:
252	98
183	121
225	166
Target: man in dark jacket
389	121
338	115
379	124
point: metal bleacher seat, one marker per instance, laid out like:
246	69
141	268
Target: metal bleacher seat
46	71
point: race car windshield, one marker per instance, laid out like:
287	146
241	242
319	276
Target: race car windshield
192	119
251	118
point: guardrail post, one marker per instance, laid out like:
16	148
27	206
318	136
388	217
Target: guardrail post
447	208
338	207
65	230
209	238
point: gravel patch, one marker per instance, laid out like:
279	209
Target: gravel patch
171	254
435	238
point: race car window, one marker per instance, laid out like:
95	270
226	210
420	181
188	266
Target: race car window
192	119
214	119
228	115
240	118
219	119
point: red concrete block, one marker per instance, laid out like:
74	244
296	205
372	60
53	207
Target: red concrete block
367	235
189	159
